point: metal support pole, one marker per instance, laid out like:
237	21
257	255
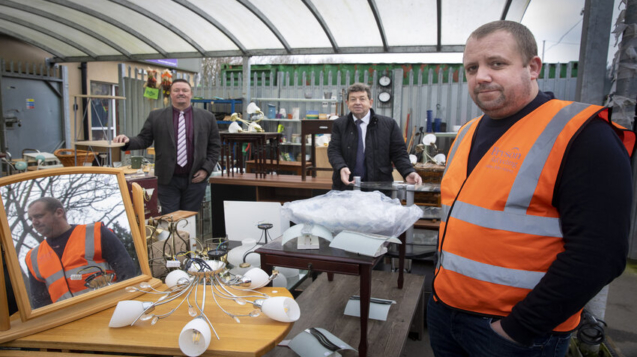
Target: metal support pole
245	91
598	17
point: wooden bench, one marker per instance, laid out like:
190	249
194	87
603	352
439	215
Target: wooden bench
323	303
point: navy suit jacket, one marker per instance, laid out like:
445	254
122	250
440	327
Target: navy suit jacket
159	129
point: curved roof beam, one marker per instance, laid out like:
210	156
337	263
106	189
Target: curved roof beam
48	32
505	11
321	21
68	23
111	21
34	43
140	10
195	9
379	23
267	23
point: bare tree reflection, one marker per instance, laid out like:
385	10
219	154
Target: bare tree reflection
87	198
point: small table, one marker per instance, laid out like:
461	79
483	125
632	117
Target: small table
312	127
329	260
231	142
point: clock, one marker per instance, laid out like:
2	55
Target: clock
384	97
384	81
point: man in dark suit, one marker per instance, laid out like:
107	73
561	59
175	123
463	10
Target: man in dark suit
187	147
366	144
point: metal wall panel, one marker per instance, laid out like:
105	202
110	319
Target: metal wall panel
443	91
32	108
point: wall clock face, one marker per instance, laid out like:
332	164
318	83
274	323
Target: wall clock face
384	97
384	81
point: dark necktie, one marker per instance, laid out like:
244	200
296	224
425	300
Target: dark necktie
359	170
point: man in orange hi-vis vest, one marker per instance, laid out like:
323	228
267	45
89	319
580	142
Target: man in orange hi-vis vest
72	258
536	201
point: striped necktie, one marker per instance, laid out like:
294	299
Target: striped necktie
182	156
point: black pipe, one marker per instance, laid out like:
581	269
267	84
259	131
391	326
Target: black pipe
84	79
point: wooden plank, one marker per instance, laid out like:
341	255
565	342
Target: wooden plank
323	303
290	181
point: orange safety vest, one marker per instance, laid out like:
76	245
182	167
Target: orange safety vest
83	249
499	231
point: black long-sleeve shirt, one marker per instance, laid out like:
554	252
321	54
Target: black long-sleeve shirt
593	197
113	251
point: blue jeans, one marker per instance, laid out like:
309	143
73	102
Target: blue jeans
455	333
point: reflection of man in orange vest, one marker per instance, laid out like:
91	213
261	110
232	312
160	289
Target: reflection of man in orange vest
536	201
71	255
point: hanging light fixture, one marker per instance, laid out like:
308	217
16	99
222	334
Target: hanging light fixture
196	274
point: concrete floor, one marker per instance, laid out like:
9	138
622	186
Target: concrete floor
621	315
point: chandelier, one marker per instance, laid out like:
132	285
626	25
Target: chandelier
183	285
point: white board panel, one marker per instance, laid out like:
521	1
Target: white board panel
243	217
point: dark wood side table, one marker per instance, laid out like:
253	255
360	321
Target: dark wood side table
312	127
328	260
232	142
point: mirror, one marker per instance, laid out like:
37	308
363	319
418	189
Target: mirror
83	217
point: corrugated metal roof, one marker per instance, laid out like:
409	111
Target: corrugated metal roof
117	30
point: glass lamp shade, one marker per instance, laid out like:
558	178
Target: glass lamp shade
440	159
174	276
281	308
234	127
127	311
429	139
194	339
258	277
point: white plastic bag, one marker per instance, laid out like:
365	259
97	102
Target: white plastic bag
366	212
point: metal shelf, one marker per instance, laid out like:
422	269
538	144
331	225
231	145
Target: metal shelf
297	100
282	119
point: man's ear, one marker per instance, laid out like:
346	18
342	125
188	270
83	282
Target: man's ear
535	67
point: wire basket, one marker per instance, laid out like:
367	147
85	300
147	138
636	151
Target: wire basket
67	156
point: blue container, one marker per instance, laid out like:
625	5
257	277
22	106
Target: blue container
271	111
437	122
430	115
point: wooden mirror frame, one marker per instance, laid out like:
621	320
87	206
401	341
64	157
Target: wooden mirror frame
28	321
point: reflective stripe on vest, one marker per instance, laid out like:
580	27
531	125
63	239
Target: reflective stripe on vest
58	282
513	216
463	131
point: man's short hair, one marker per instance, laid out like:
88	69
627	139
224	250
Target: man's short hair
50	204
359	87
180	80
522	35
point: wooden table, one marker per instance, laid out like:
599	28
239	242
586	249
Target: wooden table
231	144
328	260
323	303
282	166
252	337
